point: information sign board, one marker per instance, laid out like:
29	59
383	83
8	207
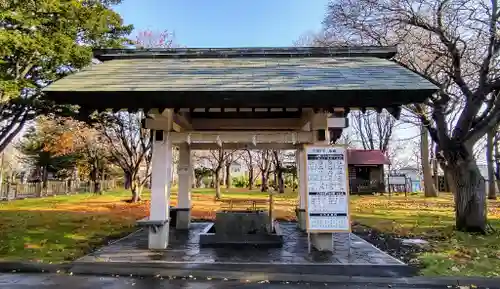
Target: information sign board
327	189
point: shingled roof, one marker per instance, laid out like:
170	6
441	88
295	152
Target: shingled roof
243	74
221	77
367	157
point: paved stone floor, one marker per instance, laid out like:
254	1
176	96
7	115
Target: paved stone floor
184	247
53	281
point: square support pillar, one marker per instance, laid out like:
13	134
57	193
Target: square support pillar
160	190
185	171
301	173
319	124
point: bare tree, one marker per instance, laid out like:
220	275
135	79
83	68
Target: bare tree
347	139
279	170
264	162
249	159
455	45
217	160
129	147
393	152
373	129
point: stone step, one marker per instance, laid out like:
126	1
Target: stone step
206	269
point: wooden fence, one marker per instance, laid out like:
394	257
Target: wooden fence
12	191
359	186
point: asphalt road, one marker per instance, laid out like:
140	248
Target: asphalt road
59	281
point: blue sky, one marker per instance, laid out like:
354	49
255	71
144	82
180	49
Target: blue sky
225	23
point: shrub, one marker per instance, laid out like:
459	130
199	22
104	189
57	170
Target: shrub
240	181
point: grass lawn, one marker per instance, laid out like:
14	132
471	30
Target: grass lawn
62	228
451	253
56	229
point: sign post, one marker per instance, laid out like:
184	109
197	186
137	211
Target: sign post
327	187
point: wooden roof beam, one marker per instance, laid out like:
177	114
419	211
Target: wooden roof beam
249	137
245	124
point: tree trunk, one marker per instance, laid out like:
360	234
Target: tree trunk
217	183
103	180
136	194
448	181
264	186
128	181
228	175
435	172
497	161
135	187
97	187
435	169
1	176
250	179
492	188
250	170
470	195
429	189
69	185
268	176
281	182
45	178
95	179
198	182
38	184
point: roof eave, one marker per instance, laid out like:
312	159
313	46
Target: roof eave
263	99
384	52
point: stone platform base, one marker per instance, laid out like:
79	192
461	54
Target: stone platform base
184	252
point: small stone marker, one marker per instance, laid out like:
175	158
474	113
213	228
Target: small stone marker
414	242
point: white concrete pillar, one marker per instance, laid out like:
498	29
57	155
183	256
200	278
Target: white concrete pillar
161	173
185	172
319	124
301	175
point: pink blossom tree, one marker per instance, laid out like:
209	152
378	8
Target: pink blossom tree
154	39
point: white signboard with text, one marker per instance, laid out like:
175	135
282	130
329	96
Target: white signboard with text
327	189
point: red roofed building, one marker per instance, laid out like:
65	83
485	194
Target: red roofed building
366	170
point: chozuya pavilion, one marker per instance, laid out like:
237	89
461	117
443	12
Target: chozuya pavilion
276	98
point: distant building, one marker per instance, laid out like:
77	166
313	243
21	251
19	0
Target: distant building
413	176
411	172
366	170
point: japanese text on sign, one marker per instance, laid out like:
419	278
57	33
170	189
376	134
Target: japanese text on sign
327	189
